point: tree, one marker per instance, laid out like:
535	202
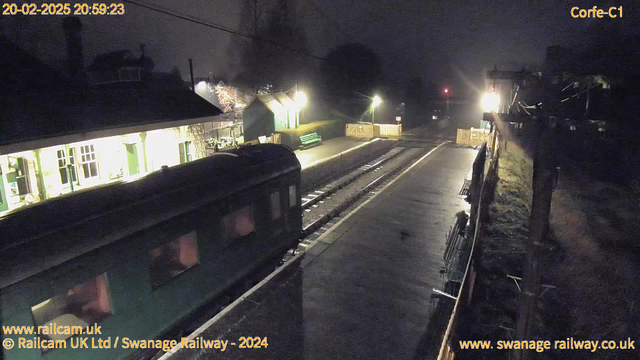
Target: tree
175	76
231	97
266	64
353	73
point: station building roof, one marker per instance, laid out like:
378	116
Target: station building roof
39	104
277	102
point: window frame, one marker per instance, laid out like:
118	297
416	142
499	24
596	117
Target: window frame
102	285
158	284
68	164
293	198
129	74
23	176
278	201
88	157
225	225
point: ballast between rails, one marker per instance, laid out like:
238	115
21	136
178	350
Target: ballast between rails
311	228
323	194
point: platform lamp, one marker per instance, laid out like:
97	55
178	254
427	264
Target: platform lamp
375	102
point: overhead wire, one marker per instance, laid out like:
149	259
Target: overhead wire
199	21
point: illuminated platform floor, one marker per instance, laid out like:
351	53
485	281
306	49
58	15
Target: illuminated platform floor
327	149
363	291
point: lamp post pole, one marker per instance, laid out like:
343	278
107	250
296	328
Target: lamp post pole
299	112
373	116
375	102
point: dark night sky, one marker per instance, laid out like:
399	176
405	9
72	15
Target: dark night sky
442	41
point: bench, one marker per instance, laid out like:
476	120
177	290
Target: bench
310	139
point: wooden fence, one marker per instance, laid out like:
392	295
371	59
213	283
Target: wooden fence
359	130
389	129
481	192
472	137
371	131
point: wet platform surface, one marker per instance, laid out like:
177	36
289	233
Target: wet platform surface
363	291
327	149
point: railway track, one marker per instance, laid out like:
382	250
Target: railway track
326	204
321	209
328	189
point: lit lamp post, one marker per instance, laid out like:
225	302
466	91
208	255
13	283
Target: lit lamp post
376	101
301	99
490	102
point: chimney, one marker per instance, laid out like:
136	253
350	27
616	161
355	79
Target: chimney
73	34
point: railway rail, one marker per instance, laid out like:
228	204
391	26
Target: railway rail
328	189
352	190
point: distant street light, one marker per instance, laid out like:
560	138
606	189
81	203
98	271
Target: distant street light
376	101
202	86
490	102
446	96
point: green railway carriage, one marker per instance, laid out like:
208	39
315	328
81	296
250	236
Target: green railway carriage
137	258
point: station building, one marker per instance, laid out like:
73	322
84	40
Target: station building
48	166
57	137
269	113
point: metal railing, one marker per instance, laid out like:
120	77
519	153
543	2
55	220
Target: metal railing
481	194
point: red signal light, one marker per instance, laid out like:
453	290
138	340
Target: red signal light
446	90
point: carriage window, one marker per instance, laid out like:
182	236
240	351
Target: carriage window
275	205
293	197
172	258
78	307
238	224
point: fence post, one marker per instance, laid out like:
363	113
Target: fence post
476	183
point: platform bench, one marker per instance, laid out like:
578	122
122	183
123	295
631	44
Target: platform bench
310	139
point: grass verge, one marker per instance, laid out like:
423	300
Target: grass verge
492	314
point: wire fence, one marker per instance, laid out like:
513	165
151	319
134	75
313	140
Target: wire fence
481	192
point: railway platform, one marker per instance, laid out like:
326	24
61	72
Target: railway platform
363	290
327	149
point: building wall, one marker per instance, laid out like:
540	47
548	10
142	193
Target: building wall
162	148
11	197
286	120
196	135
258	120
99	161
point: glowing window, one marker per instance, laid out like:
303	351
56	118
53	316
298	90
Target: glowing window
173	258
22	176
89	162
67	166
293	196
238	224
79	307
274	200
